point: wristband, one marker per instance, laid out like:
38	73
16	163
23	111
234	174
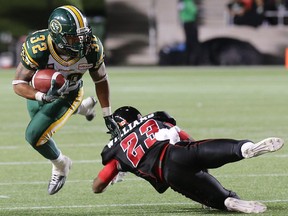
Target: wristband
15	82
39	96
106	111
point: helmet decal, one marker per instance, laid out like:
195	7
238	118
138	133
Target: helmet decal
79	19
55	26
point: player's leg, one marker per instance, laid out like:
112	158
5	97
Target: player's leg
205	154
87	108
46	119
181	164
214	153
197	185
44	123
207	190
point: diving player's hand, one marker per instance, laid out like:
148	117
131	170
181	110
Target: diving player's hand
112	127
165	117
118	178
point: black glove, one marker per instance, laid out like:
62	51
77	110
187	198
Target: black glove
54	93
112	127
164	116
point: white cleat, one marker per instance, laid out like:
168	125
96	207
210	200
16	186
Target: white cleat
90	103
267	145
59	175
238	205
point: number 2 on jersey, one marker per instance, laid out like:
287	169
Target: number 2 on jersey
130	144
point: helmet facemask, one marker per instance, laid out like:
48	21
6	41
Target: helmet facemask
77	45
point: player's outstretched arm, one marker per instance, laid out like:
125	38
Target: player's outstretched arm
105	176
99	185
102	88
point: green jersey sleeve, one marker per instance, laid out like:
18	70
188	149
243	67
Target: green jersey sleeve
35	51
96	54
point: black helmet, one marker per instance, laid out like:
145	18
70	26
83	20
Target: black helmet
125	115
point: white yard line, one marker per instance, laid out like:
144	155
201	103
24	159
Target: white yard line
62	145
116	205
94	206
99	160
133	178
45	162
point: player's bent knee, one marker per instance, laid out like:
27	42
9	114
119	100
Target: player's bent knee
31	138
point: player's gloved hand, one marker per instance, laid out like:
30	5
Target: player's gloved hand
63	90
164	116
54	92
49	98
171	134
112	127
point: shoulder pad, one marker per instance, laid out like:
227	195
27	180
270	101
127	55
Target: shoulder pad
35	50
96	55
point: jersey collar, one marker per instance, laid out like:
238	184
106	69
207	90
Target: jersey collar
58	57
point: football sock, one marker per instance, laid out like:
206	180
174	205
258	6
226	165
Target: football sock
48	150
58	161
244	147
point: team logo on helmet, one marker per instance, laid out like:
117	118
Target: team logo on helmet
55	26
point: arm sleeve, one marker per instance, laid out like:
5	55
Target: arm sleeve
109	171
184	136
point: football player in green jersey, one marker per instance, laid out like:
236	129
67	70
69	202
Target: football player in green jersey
69	47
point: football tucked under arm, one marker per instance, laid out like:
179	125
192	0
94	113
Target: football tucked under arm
50	85
44	78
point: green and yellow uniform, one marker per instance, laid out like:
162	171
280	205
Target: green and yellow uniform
38	52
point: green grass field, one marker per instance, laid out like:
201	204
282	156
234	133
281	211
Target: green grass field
230	102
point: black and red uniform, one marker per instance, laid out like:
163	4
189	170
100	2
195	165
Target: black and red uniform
180	166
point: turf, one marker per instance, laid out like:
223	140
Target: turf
208	102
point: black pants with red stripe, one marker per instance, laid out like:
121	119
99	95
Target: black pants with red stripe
184	164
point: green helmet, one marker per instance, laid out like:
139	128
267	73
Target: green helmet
69	30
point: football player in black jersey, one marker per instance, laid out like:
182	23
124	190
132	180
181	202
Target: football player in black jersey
69	47
155	149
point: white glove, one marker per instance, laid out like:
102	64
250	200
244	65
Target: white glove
118	178
168	134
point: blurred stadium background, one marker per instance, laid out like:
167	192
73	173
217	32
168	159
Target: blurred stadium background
237	102
136	32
